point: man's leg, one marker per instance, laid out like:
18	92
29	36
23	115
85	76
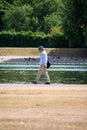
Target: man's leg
46	75
43	71
38	75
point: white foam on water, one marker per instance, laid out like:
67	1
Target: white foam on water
69	67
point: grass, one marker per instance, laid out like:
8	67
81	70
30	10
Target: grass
43	102
52	92
33	100
21	112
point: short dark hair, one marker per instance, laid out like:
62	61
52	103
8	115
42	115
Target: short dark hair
40	48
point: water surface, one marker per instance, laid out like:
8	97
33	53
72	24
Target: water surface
25	73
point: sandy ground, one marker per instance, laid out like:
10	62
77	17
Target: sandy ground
21	51
43	107
61	52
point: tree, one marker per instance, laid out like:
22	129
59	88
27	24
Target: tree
74	22
85	22
19	18
51	21
33	15
4	6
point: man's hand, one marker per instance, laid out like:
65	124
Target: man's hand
43	67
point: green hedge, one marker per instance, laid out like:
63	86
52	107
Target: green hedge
31	39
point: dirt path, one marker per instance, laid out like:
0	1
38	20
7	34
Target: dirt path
44	87
41	107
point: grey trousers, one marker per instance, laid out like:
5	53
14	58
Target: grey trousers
42	71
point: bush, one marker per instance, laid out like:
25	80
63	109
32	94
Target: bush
31	39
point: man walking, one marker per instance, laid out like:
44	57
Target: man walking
43	66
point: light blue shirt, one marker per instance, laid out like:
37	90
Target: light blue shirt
43	58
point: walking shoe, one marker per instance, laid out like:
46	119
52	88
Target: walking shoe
34	82
47	83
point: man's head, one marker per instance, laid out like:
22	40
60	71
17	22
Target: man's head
40	48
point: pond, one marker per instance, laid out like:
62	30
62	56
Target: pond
60	73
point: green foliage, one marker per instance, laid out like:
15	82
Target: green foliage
2	2
33	15
74	22
34	22
51	21
19	18
31	39
85	22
